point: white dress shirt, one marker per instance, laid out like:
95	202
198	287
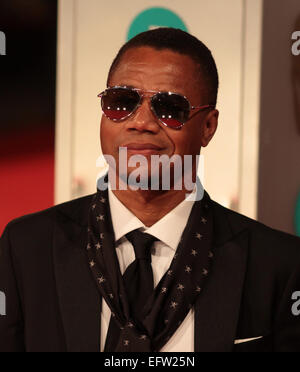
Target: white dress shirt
168	230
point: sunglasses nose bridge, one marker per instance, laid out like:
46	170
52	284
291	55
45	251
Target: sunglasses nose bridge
146	99
144	117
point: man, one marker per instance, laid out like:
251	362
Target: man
141	269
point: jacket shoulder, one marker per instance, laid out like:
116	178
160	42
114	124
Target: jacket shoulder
42	221
264	241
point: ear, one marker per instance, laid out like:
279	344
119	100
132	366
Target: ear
209	127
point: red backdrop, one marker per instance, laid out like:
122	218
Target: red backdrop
26	173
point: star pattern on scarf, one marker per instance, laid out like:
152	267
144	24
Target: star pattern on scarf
205	272
174	304
101	280
188	269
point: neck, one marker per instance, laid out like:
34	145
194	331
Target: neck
150	206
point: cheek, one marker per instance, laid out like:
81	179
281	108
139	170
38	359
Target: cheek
182	142
107	136
187	142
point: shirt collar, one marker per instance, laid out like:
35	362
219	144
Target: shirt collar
124	221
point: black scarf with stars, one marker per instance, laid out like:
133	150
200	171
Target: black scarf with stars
176	293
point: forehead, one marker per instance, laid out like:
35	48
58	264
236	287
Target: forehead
151	69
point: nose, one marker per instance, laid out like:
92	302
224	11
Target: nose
143	120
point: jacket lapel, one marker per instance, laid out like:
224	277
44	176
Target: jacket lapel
217	310
79	300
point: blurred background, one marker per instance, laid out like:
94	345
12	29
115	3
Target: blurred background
57	57
27	107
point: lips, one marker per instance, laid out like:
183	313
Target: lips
142	146
146	149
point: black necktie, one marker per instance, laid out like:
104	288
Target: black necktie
138	282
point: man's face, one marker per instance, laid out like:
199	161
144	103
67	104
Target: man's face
157	70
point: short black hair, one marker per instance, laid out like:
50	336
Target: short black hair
183	43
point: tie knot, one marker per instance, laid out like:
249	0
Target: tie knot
142	243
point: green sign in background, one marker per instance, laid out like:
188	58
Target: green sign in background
155	17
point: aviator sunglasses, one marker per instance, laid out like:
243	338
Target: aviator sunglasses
171	109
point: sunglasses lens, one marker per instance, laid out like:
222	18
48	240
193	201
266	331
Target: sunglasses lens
119	103
172	109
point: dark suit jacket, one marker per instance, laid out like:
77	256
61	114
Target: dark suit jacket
53	303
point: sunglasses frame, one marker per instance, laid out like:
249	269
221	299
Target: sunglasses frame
142	94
